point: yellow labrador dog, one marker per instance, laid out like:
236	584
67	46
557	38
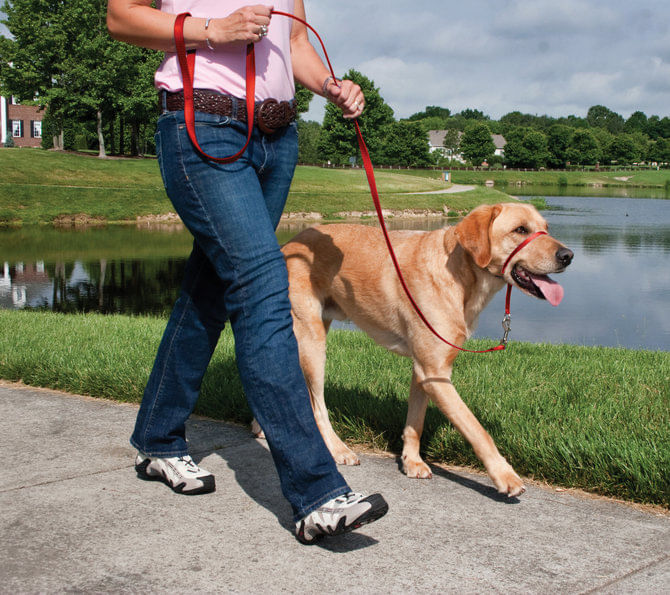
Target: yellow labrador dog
339	272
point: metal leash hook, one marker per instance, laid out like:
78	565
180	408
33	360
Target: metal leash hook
507	327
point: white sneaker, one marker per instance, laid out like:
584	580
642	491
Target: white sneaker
340	515
180	473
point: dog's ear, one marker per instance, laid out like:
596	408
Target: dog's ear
473	233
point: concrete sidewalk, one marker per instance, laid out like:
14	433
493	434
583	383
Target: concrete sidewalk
76	518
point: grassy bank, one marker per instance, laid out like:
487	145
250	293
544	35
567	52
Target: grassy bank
622	179
592	418
45	187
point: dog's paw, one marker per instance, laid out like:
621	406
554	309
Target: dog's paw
508	482
416	469
256	429
346	457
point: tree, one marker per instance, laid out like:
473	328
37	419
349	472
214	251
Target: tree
624	150
599	116
303	97
30	62
637	122
476	143
61	54
526	148
558	140
406	144
309	133
338	137
473	114
431	111
584	148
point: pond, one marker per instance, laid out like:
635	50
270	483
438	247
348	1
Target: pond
617	291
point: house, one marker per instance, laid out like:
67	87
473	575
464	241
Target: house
436	143
21	123
500	142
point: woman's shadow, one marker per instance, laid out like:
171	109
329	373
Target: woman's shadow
251	462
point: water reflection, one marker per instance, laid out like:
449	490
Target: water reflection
616	291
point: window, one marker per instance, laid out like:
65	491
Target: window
36	129
17	128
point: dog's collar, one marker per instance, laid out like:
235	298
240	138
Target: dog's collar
529	239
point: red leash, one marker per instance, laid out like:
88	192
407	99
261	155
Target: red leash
187	66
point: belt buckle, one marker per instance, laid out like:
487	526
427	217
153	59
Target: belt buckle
266	121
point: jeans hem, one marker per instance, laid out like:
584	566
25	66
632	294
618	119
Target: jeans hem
180	453
305	510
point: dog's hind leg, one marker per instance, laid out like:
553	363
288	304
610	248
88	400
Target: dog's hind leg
412	464
311	330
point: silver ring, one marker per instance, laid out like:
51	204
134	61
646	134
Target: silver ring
356	105
264	31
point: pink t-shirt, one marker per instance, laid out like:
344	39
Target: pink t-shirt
223	70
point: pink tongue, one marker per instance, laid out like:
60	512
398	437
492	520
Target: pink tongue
550	289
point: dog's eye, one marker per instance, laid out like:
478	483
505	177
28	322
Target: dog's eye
521	229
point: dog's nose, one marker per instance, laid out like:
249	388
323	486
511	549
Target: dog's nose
564	256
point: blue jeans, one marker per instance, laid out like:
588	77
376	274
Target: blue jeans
235	272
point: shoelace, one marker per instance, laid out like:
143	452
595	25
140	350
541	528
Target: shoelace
189	462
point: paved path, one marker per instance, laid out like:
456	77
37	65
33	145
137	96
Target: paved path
76	518
451	190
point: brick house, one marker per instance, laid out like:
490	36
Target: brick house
23	123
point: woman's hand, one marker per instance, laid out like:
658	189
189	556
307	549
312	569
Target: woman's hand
247	25
347	95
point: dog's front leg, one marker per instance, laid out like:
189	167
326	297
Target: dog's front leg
449	402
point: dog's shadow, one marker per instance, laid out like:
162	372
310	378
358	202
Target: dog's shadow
467	482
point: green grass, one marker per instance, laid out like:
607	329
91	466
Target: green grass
637	178
38	187
592	418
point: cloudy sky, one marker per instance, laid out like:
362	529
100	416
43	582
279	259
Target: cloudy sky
555	57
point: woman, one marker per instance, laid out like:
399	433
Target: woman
236	271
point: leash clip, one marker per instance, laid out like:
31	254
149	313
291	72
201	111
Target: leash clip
507	327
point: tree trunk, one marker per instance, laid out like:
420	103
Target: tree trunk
101	138
133	139
122	135
111	136
59	140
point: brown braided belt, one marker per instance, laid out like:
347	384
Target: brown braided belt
270	115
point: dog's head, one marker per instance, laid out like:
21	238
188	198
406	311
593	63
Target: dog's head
490	233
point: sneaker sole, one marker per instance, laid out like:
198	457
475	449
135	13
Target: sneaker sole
379	507
208	483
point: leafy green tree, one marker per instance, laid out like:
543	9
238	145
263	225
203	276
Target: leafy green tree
61	53
303	97
309	133
558	140
584	148
526	148
476	143
338	137
599	116
658	127
431	111
659	151
473	114
637	122
30	61
406	144
624	150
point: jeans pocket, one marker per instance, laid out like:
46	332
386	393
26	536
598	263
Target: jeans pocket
218	136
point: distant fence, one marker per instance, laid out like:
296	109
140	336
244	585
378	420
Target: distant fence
591	168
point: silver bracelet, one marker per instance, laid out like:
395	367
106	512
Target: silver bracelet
324	87
209	45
